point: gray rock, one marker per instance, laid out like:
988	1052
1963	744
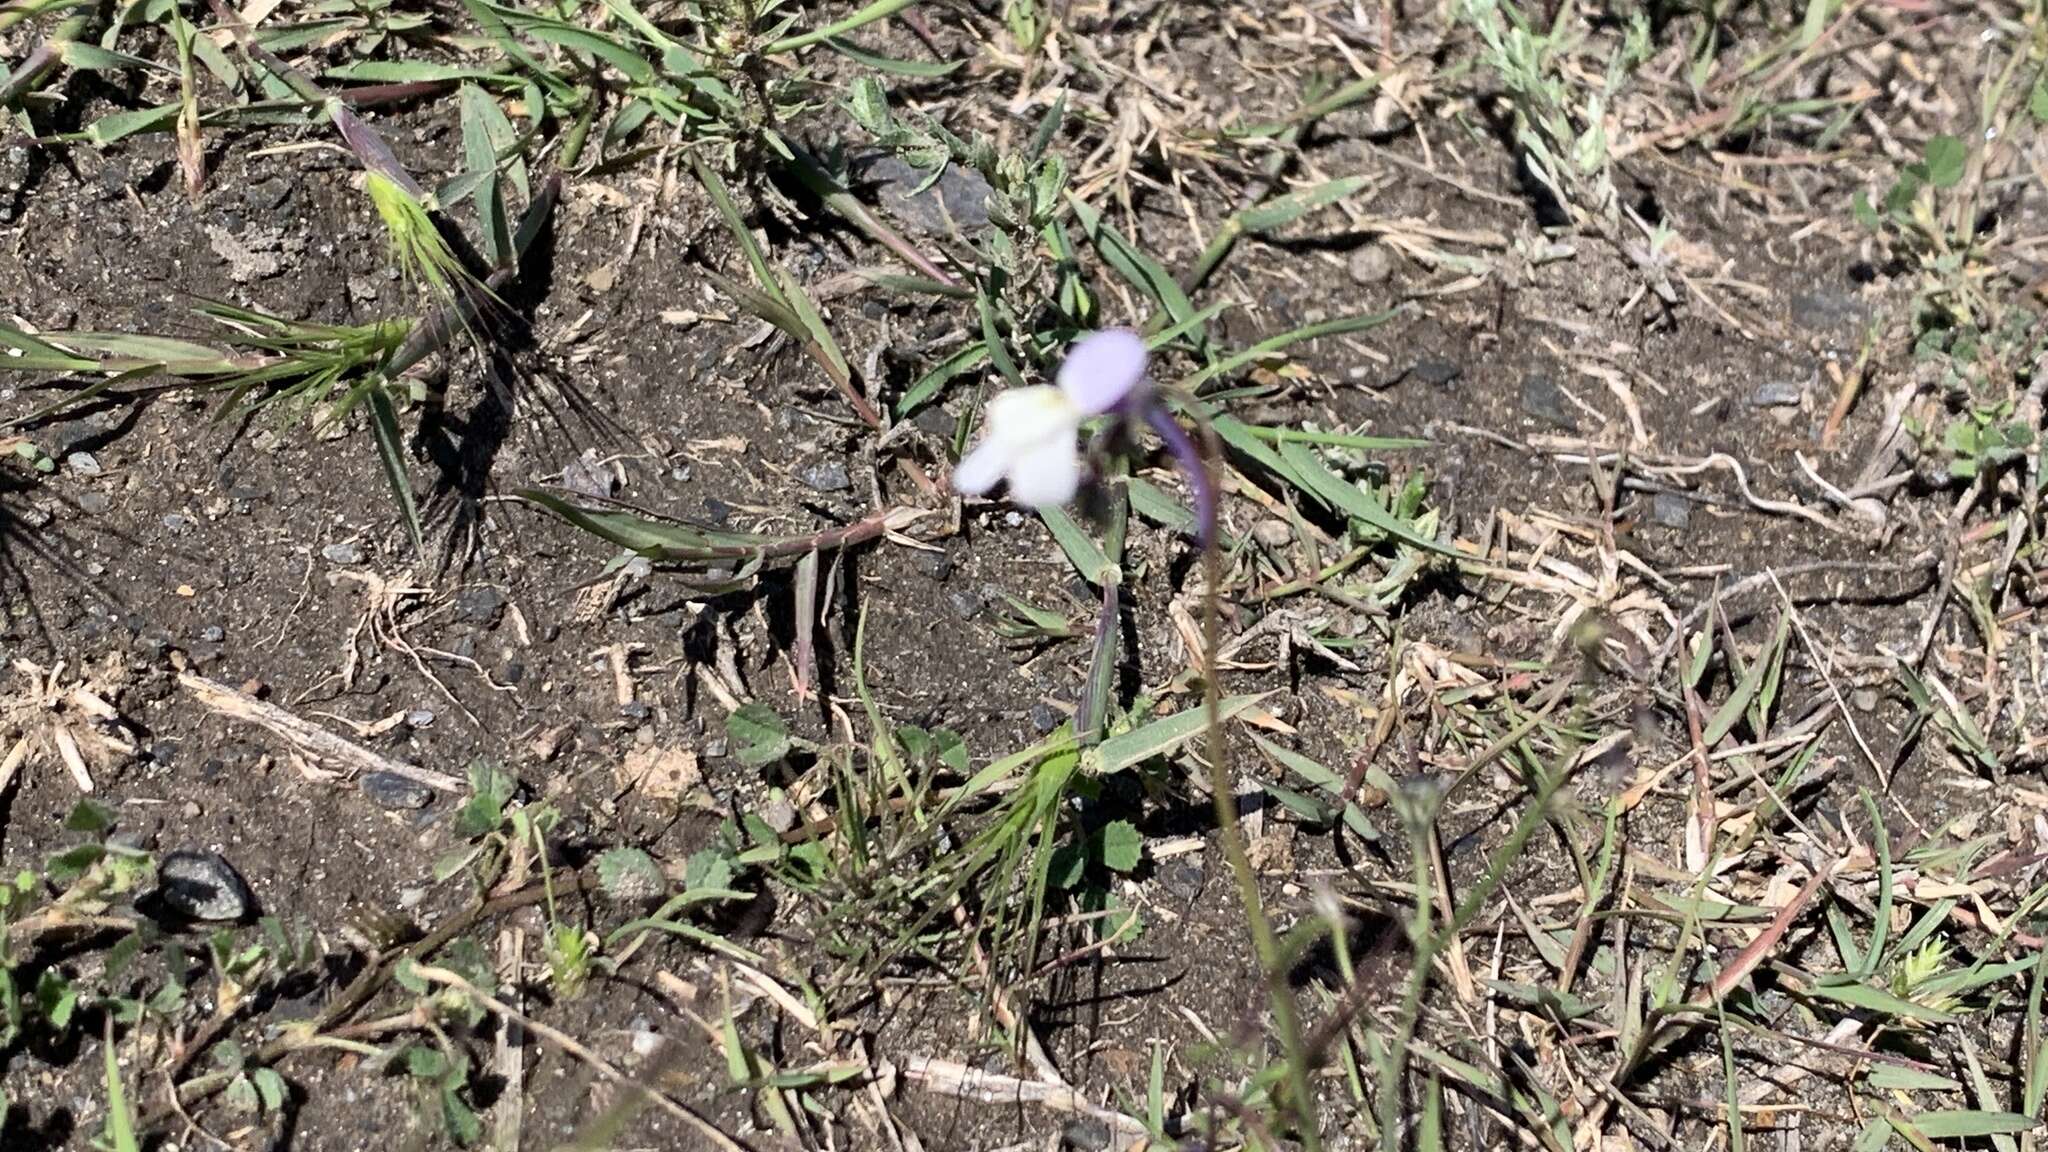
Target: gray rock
343	553
1436	372
956	201
965	603
1670	511
1085	1135
1778	394
482	604
1044	717
177	522
1273	533
826	476
588	476
1826	310
83	463
94	503
937	421
419	718
1544	400
1183	877
213	634
937	565
202	886
390	790
1370	264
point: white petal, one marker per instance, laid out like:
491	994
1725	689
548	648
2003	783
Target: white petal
981	469
1026	416
1046	475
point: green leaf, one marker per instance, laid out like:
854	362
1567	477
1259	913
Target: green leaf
1946	159
631	875
1352	500
120	1121
1865	214
1732	708
1140	270
1082	551
2037	99
922	69
1122	846
391	454
1958	1123
89	816
1283	210
1872	999
1893	1077
1160	737
758	735
270	1087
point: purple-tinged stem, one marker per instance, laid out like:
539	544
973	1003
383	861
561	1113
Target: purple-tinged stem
1192	467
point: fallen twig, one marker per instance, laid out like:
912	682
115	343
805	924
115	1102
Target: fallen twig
307	737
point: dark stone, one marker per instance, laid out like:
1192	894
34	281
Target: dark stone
164	752
965	602
957	201
202	886
1670	511
1085	1135
177	522
937	565
1044	717
1436	372
636	710
937	421
513	672
390	790
717	511
483	604
1183	877
1544	400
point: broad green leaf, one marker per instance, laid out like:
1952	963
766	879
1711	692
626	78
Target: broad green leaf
758	735
1122	846
1946	159
1894	1077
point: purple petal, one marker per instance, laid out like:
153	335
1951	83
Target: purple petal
1102	368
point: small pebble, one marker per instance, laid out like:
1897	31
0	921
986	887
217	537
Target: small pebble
1544	400
1864	699
965	603
1370	264
635	710
213	634
1435	372
409	898
177	521
826	476
191	809
1044	717
1778	394
1669	511
94	503
390	790
1273	533
482	604
345	552
202	886
83	463
420	718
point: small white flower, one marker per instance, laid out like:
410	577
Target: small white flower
1032	432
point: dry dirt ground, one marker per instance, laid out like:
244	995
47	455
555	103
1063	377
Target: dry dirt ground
1690	397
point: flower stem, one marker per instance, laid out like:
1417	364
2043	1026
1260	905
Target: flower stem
1267	947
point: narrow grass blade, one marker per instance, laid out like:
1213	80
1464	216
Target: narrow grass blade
391	454
1160	737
